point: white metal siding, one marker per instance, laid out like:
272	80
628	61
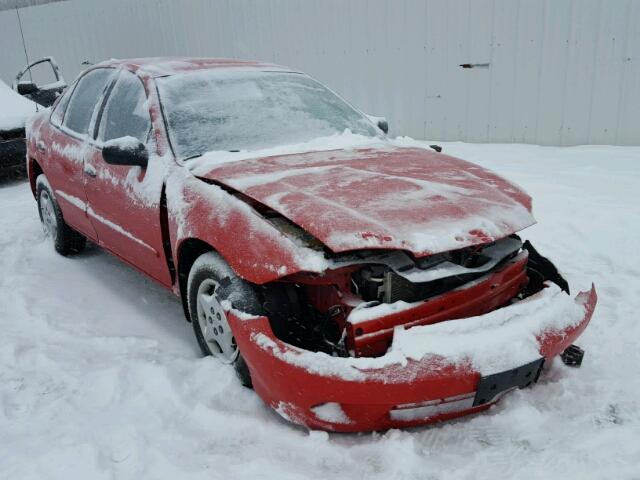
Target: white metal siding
560	71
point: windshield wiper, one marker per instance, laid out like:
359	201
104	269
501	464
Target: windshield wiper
200	154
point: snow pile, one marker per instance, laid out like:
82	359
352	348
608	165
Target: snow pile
331	412
100	376
365	312
495	342
130	144
344	141
15	109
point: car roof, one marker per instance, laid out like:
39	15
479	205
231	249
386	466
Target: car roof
165	66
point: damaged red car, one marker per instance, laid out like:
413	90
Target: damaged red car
354	281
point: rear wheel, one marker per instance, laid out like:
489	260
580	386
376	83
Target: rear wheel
65	239
211	283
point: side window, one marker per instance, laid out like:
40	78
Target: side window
84	98
126	113
58	112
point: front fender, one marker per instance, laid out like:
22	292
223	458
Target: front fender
255	249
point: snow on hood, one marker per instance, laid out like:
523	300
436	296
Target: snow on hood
15	109
347	141
374	194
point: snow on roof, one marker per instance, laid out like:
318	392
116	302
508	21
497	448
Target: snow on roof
15	109
164	66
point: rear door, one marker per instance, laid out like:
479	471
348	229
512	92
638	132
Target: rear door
67	142
124	201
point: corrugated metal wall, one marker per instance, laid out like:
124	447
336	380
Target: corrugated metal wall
559	71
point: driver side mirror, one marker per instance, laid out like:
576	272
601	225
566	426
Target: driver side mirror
127	151
383	125
27	88
380	122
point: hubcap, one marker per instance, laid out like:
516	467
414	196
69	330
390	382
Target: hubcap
213	323
49	222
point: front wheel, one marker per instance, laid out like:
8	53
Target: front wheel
212	282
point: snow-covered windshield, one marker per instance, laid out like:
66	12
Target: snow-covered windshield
212	111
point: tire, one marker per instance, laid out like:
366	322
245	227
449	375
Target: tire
65	240
211	282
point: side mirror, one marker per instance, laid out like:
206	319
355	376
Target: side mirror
27	88
126	151
380	122
437	148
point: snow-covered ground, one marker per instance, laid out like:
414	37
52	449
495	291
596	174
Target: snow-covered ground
100	377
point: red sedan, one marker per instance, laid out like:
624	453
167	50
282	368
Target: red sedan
356	284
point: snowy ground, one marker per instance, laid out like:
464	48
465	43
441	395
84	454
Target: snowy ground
100	376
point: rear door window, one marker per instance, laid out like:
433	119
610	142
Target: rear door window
126	113
87	94
58	112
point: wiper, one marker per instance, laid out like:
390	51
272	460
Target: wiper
200	154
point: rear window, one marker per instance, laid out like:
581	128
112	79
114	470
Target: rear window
58	112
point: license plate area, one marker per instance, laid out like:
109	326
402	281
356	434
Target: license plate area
492	386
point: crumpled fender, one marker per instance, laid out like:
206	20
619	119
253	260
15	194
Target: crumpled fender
255	249
295	381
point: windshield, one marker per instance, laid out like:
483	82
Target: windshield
212	111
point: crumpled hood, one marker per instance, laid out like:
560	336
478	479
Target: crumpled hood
396	198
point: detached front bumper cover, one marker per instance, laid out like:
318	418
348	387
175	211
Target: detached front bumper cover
430	373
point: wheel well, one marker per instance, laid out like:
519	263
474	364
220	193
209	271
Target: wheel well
290	314
34	170
189	251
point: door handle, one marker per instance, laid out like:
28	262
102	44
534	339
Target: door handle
41	146
90	170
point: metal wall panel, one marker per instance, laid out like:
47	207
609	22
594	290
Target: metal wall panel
559	72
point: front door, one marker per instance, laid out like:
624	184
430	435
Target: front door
124	201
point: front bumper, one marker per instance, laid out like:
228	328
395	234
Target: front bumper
414	383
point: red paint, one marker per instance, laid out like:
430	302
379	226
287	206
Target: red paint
367	402
374	336
345	199
382	196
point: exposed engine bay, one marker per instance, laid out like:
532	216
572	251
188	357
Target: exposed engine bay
342	311
390	277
